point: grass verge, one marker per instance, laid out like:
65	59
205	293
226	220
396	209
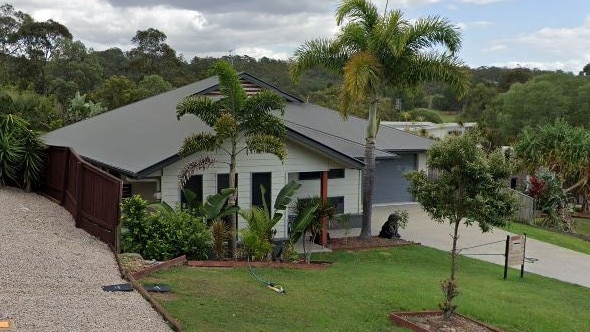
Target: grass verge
545	235
361	288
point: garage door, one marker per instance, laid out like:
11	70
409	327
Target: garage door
390	184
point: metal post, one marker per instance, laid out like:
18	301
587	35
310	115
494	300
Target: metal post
523	257
324	198
506	257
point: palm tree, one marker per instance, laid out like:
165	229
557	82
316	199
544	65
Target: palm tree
372	52
240	123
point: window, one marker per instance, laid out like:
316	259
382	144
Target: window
334	173
195	184
338	203
259	179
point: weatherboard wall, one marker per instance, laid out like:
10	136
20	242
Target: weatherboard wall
299	159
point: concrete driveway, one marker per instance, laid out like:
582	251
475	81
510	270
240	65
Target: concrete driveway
552	261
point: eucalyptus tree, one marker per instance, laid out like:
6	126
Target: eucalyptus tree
372	52
240	123
470	188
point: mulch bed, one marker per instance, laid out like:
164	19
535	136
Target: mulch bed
432	321
355	243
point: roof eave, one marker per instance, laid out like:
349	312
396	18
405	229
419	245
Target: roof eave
325	150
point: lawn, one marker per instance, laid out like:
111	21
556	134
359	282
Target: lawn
447	116
560	239
361	288
582	226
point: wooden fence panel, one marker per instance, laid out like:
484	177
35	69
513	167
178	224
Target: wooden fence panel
91	195
56	159
526	207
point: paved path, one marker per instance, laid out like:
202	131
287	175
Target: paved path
51	273
553	261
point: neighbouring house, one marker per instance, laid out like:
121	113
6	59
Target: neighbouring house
431	129
139	143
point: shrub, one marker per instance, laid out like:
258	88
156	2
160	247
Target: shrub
21	152
164	233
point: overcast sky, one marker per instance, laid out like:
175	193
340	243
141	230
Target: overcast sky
545	34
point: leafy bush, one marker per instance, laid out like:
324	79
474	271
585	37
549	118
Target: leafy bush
164	233
258	234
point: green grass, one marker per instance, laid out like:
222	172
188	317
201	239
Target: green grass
582	226
447	116
361	288
545	235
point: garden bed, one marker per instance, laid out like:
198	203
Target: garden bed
433	321
314	265
355	243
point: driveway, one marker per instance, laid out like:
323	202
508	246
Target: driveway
51	273
552	261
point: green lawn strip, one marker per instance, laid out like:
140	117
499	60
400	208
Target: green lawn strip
582	226
359	291
560	239
447	116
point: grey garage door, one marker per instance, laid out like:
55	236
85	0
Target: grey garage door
390	184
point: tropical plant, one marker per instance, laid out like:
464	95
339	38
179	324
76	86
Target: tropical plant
559	148
21	152
470	188
551	199
258	234
232	115
221	233
372	52
310	213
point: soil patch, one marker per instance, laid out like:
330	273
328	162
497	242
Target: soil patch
432	321
356	243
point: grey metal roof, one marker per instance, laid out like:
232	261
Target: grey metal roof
142	137
348	135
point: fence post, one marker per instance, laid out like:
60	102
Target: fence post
117	229
79	179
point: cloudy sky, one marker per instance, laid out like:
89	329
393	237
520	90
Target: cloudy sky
546	34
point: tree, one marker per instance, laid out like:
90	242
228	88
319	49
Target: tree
152	85
470	187
478	99
560	148
72	63
116	91
539	101
239	122
372	52
515	75
152	55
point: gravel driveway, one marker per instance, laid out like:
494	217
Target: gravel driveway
51	273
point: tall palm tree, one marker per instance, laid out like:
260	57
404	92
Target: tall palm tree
240	123
372	52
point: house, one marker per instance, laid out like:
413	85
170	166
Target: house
139	143
430	129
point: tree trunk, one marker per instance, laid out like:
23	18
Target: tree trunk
369	170
450	286
233	241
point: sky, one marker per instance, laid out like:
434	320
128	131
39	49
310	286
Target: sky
543	34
